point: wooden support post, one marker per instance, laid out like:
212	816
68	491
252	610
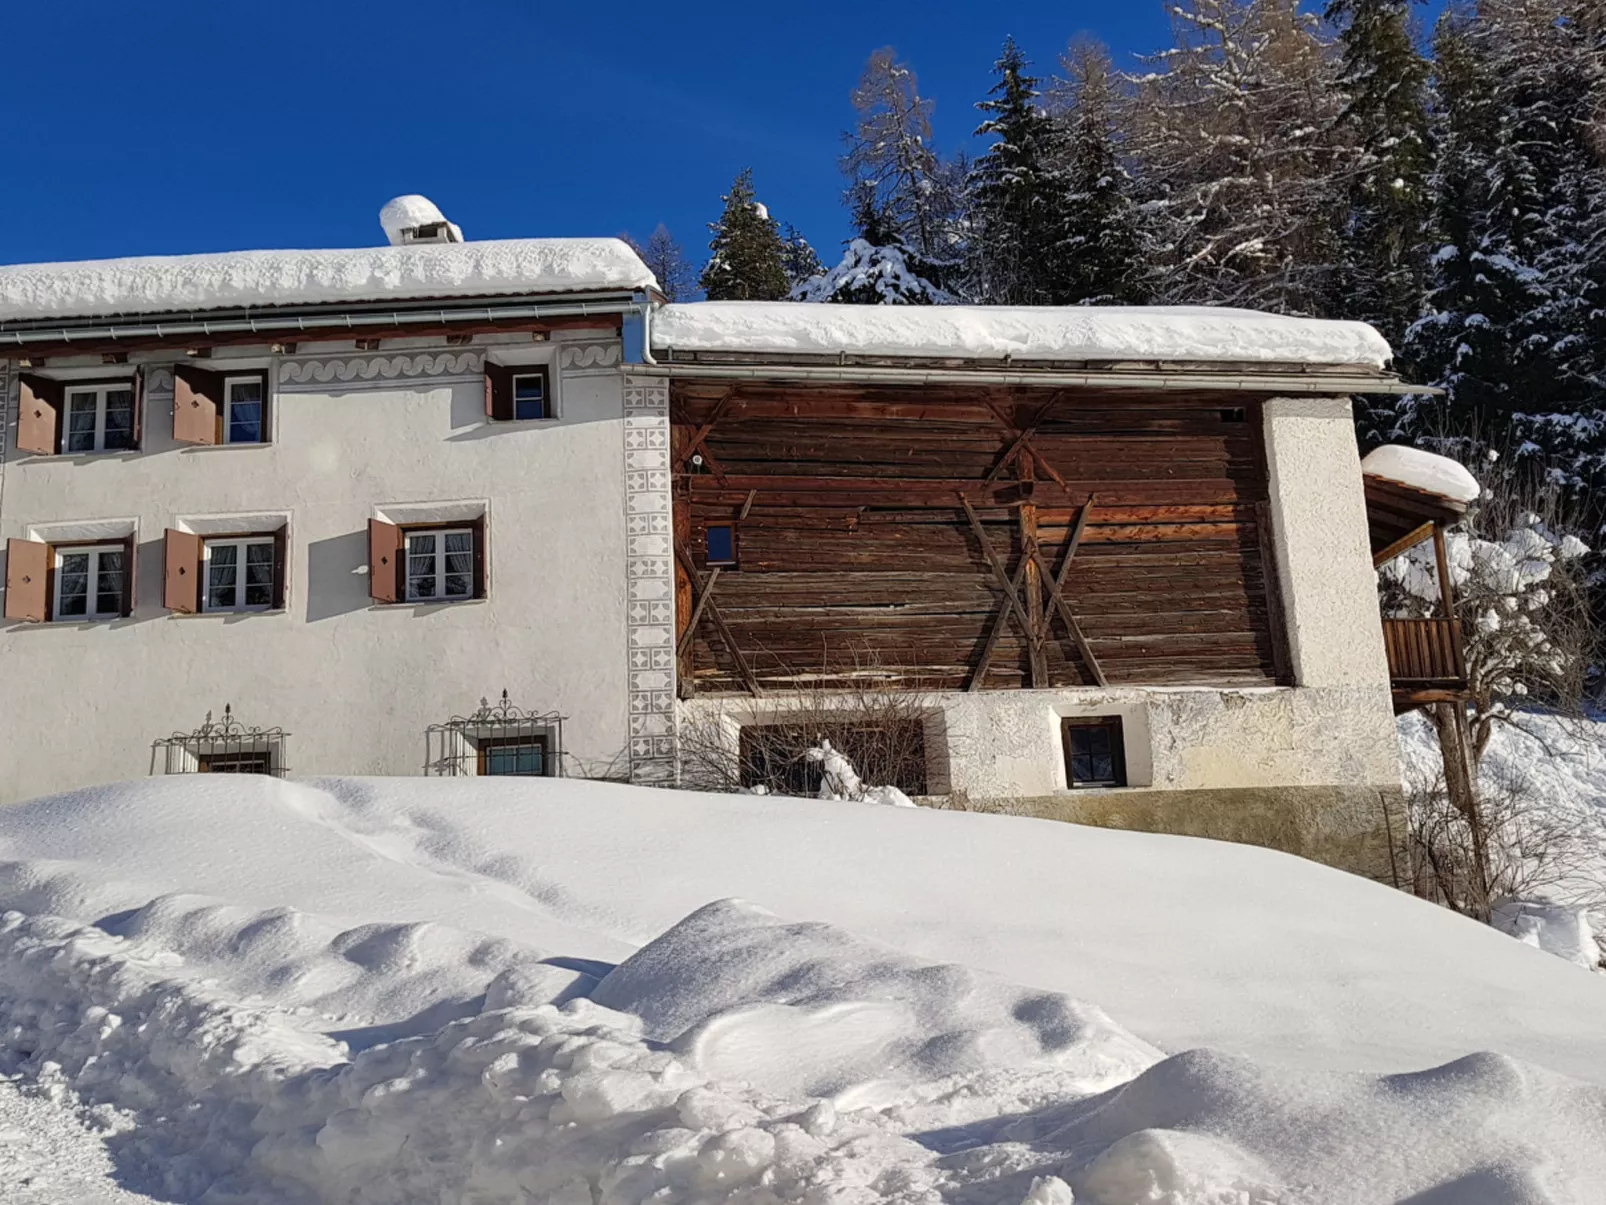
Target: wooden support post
1036	621
1446	586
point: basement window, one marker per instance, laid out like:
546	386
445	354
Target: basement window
1095	753
885	752
720	544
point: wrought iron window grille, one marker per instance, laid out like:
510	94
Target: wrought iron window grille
224	746
498	739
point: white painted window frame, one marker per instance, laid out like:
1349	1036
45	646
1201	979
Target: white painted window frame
100	390
259	377
239	543
542	372
92	598
439	575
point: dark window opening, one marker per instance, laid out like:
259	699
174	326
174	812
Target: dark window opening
1095	754
530	395
1234	414
884	753
514	756
251	762
721	544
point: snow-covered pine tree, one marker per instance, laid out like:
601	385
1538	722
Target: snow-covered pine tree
1019	200
1230	138
890	152
666	259
878	268
801	261
1103	246
747	259
1511	330
1383	161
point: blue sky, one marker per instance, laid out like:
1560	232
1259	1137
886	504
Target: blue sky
198	125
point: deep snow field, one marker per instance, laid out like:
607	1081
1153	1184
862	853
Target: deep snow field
468	993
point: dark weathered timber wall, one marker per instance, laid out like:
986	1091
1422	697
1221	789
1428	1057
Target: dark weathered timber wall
857	554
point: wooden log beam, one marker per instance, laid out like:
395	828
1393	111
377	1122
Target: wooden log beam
1404	543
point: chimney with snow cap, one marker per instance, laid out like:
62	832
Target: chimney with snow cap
415	219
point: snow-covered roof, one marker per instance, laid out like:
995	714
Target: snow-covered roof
238	279
1422	470
1188	333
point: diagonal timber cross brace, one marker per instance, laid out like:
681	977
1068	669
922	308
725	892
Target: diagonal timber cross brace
1056	592
1022	447
697	445
1013	603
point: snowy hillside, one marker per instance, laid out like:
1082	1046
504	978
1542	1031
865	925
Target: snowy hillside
404	990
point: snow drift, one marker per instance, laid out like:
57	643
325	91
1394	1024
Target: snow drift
1027	333
402	990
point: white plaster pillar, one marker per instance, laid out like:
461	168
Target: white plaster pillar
1324	558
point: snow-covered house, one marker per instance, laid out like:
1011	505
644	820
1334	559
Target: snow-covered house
1122	555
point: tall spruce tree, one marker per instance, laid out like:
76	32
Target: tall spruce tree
1230	136
747	260
1103	244
1384	160
1019	197
1511	325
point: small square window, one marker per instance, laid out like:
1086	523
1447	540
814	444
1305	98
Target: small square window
514	756
100	418
1095	753
440	564
256	761
530	395
91	582
720	544
240	574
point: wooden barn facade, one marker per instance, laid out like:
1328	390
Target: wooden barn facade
1059	553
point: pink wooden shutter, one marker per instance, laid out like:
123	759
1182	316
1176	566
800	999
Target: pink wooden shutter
39	418
181	586
385	555
197	403
27	580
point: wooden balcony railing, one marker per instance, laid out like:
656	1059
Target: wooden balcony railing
1425	653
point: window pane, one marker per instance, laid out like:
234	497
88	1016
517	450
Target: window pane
81	422
721	545
109	584
119	421
529	397
1081	767
222	573
520	759
259	575
420	543
73	584
459	547
245	412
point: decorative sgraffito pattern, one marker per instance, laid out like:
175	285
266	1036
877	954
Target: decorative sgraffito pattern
649	570
359	372
582	359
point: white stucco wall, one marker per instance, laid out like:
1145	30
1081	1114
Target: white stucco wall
1324	558
1005	744
353	683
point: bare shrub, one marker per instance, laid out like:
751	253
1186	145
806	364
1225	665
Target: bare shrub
1531	849
876	721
